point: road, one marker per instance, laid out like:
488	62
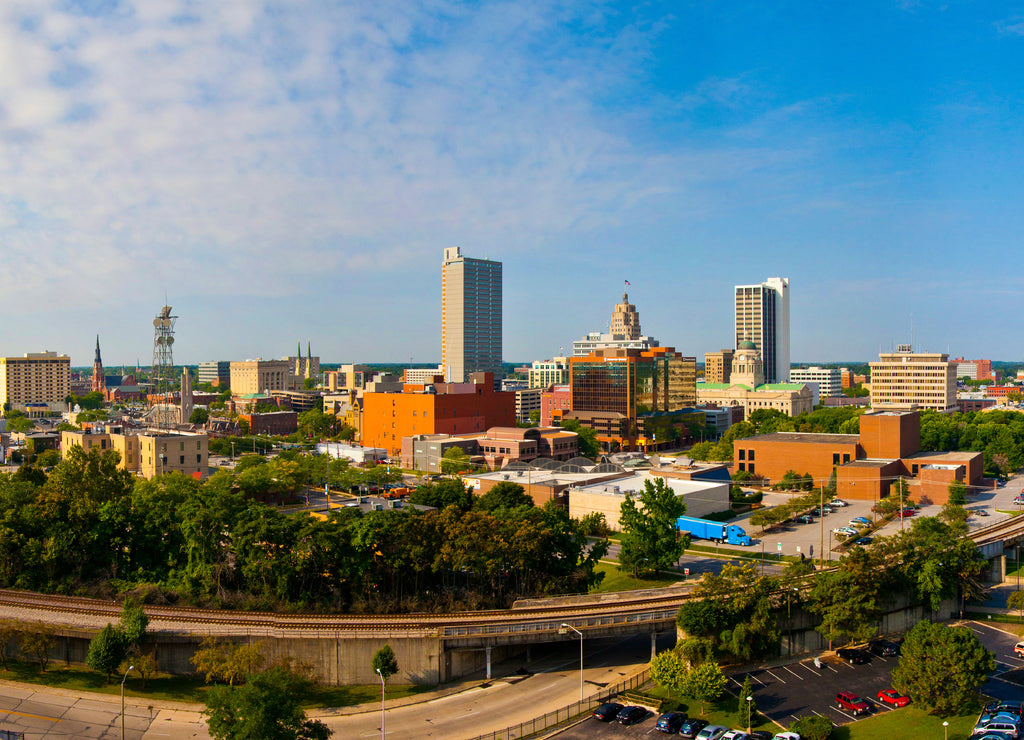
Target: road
518	692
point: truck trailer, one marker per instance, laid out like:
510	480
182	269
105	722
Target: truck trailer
705	529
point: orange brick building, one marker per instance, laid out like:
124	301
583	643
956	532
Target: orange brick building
866	464
444	408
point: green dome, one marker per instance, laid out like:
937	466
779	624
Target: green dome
747	344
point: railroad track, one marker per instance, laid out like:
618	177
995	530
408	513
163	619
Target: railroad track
1000	530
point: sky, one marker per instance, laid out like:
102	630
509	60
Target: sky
285	172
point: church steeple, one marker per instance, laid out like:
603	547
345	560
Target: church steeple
99	382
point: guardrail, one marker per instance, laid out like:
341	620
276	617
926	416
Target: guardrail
565	714
606	620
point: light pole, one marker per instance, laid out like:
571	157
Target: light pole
130	669
381	703
945	729
749	700
570	627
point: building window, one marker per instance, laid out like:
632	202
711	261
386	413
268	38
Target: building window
750	468
846	458
743	456
182	460
742	466
835	458
750	456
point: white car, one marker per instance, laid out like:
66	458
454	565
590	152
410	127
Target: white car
712	732
787	736
835	502
735	735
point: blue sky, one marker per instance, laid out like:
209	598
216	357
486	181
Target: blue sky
292	170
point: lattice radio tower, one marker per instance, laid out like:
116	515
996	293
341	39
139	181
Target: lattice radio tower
163	356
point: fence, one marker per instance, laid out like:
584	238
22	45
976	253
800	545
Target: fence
551	719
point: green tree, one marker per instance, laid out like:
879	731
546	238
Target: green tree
106	651
133	623
586	439
1015	601
199	417
227	661
267	707
941	667
669	669
705	683
848	607
957	493
10	632
384	662
746	710
37	642
143	664
48	458
19	424
446	492
454	461
503	495
650	538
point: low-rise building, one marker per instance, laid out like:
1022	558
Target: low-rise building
828	379
496	448
147	452
747	389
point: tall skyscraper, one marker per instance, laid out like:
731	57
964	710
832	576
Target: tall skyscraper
762	317
470	316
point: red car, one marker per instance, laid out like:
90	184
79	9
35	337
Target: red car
893	698
907	512
852	703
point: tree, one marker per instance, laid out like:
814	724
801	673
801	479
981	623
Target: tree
37	641
199	417
957	493
143	664
746	709
1015	601
847	606
226	661
106	651
9	632
48	458
19	424
454	461
586	438
133	623
650	538
265	708
384	662
503	495
812	728
669	669
447	492
706	683
941	667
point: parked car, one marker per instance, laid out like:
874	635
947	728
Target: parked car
853	656
837	503
804	519
883	648
846	531
1000	723
1010	707
861	520
712	732
852	703
907	512
606	712
979	512
893	698
1018	649
787	736
670	722
735	735
630	715
691	727
864	540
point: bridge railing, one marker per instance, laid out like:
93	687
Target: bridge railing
581	623
11	735
552	719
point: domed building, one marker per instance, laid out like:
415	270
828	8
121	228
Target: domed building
746	387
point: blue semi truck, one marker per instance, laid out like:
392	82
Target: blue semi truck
704	529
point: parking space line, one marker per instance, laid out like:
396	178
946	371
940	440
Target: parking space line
774	676
793	672
757	679
840	711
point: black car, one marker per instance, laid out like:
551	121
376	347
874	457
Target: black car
853	656
884	648
607	712
760	735
691	727
804	519
670	722
630	715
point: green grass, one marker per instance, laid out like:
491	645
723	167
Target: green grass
190	689
722	712
908	722
617	580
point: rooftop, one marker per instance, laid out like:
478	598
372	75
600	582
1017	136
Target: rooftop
805	438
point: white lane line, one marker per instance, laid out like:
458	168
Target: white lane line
774	676
793	672
757	679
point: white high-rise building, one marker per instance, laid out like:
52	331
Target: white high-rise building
470	316
762	317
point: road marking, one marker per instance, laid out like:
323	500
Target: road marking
774	676
757	679
793	672
33	716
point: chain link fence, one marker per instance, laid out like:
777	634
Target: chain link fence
565	714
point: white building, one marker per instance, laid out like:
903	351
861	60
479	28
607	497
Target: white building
544	373
905	379
701	497
762	317
828	379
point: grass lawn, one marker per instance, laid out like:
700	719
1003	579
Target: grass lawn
192	689
907	722
617	580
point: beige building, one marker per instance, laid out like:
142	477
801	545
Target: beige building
546	373
718	366
37	383
762	316
147	453
906	379
261	376
747	388
470	317
702	497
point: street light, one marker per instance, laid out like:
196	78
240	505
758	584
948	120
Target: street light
130	669
570	627
945	730
381	702
749	700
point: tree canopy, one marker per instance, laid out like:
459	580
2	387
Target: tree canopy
650	538
266	707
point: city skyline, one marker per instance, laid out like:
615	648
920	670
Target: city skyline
293	170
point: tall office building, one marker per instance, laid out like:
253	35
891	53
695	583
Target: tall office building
470	316
37	383
762	317
905	379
